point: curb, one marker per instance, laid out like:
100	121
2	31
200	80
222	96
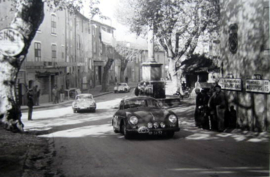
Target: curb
68	101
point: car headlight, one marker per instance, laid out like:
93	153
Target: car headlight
156	125
93	104
162	125
172	118
133	120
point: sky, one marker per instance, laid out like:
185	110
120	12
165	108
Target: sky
108	8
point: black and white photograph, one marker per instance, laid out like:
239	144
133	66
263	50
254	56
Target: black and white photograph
134	88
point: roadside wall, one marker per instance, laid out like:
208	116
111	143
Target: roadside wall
245	55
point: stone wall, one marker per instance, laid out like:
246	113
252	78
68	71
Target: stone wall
244	51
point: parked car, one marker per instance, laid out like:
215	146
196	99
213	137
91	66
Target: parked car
84	102
144	115
122	87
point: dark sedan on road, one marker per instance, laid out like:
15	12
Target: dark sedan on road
84	102
144	115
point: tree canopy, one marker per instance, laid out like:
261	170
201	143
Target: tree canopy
197	62
177	24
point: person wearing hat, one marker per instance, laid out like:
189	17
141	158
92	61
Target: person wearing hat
217	105
30	103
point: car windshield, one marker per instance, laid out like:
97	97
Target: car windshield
84	97
141	103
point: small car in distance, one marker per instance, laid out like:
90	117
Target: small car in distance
144	115
84	102
122	87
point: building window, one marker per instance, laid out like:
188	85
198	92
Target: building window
101	48
63	52
94	30
94	47
89	28
37	49
54	52
53	24
82	26
78	42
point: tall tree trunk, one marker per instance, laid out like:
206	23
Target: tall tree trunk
173	75
106	75
28	17
124	63
176	76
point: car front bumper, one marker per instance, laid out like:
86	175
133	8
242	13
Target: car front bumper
84	108
145	130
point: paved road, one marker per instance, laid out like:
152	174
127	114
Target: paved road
87	147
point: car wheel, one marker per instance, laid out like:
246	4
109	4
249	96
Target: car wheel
127	135
126	90
94	110
170	134
75	111
124	131
115	130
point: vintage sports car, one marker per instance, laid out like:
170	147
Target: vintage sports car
122	87
144	115
84	102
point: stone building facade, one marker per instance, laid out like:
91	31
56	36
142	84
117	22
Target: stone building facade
245	67
66	52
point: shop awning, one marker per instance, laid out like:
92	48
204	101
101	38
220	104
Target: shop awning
45	73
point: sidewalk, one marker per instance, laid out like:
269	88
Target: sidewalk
96	92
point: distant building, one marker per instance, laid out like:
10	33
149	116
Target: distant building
67	52
103	41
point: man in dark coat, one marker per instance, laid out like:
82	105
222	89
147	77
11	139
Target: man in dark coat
204	110
217	105
30	103
199	103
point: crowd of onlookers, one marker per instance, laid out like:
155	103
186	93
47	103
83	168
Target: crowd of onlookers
212	110
33	95
58	95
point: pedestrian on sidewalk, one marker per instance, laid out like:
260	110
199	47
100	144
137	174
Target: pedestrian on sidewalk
36	95
30	103
217	105
126	78
62	93
55	95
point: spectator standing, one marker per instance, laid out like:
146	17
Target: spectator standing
30	103
54	92
199	103
204	110
57	95
217	105
232	118
62	93
34	95
37	95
